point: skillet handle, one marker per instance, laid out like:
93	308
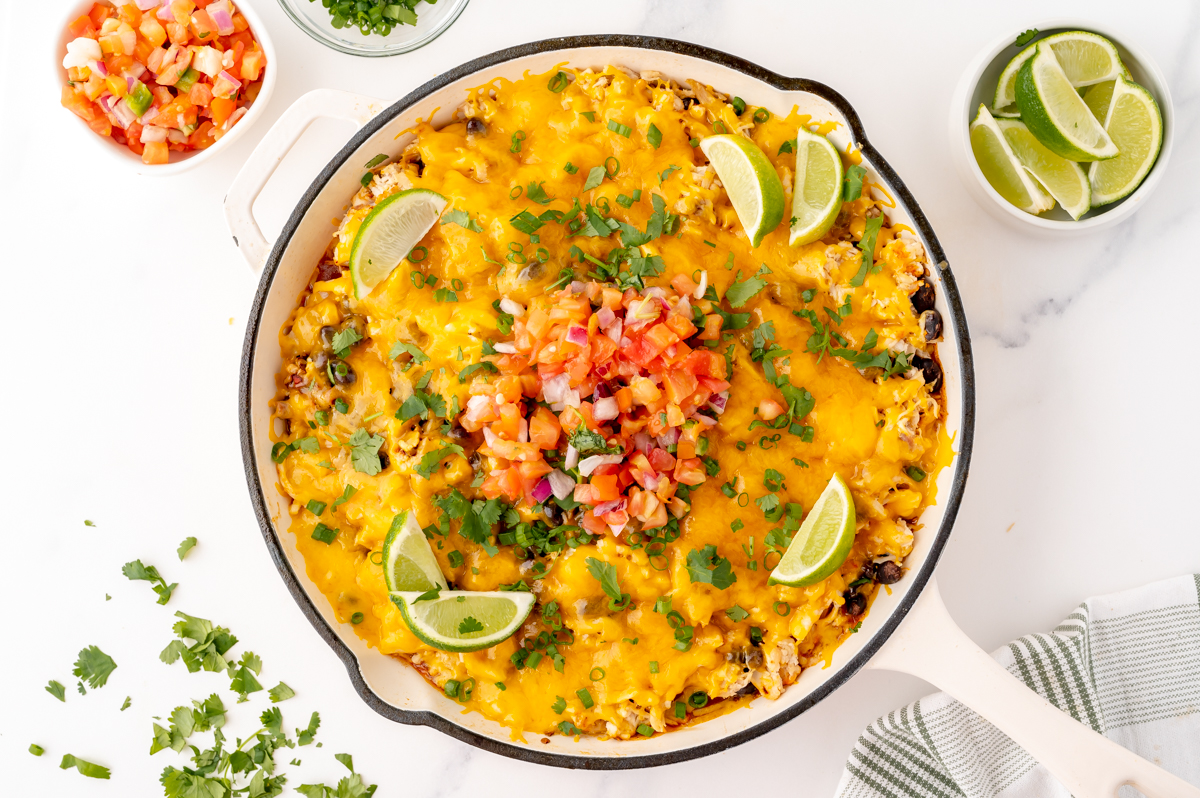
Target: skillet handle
928	644
283	135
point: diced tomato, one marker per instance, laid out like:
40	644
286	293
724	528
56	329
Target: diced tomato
680	384
603	348
133	135
610	298
592	524
714	385
660	336
712	328
155	152
769	409
685	449
202	139
587	494
221	108
509	424
606	487
624	399
200	95
98	13
130	13
534	469
681	326
662	460
657	518
82	27
705	363
683	284
644	390
690	472
544	429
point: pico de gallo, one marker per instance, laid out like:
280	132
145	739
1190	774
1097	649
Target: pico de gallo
611	375
162	75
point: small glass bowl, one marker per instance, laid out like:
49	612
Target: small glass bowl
314	19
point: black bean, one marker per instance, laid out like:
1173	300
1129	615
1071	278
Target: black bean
931	325
417	162
474	461
856	603
749	689
383	460
328	271
931	372
553	514
531	272
457	433
688	102
356	323
321	360
341	373
923	298
325	335
888	573
476	127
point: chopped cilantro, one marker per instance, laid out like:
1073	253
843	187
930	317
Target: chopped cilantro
595	177
187	545
462	219
148	573
705	566
94	667
431	460
89	769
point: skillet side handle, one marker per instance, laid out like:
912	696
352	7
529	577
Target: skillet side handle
928	644
283	135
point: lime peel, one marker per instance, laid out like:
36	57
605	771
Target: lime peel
822	542
817	191
408	561
1056	114
750	180
394	226
464	621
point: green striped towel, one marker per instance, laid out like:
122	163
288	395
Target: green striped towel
1128	665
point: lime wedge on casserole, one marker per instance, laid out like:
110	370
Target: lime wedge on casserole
1064	180
1000	166
823	540
408	561
390	231
460	620
817	193
754	188
1135	125
1085	58
1056	114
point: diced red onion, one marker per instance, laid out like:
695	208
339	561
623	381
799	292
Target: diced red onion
572	458
124	114
702	286
609	507
614	331
651	481
489	437
222	16
577	335
150	114
146	5
554	388
512	308
208	61
707	421
589	464
505	348
654	291
542	491
105	101
577	287
684	307
605	409
605	317
669	438
237	84
99	68
624	342
718	401
151	133
601	391
571	398
617	529
560	484
234	117
165	13
643	442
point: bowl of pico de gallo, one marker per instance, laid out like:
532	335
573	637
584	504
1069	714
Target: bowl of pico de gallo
164	84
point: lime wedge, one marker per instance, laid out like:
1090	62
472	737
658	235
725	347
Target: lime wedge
1001	167
750	180
408	562
1135	124
823	540
460	620
388	234
1064	180
1097	98
1056	114
1085	58
817	192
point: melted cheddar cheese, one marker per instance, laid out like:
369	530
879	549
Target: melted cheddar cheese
868	428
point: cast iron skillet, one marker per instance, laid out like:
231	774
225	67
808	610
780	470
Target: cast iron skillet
254	246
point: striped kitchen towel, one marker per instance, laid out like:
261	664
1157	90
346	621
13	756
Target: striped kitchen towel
1128	665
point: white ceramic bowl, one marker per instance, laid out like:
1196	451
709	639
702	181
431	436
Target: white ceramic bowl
978	85
180	161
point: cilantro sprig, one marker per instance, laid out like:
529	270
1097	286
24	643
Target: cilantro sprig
136	571
606	574
705	566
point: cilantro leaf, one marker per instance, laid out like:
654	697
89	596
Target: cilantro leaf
94	667
468	625
536	193
740	292
705	566
852	183
185	784
606	575
343	340
526	222
89	769
187	545
462	219
148	573
399	348
57	690
867	247
595	177
737	614
484	365
305	736
430	462
1026	37
587	442
364	452
209	645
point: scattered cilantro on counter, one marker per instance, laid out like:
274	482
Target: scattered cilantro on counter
187	545
94	667
148	573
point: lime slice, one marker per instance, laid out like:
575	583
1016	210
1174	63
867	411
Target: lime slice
1135	124
1008	112
388	234
1085	58
817	193
823	540
1001	167
408	562
1097	98
1064	180
1056	114
460	620
750	180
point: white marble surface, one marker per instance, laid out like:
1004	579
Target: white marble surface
125	305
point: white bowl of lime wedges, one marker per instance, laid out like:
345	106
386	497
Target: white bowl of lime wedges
1038	115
